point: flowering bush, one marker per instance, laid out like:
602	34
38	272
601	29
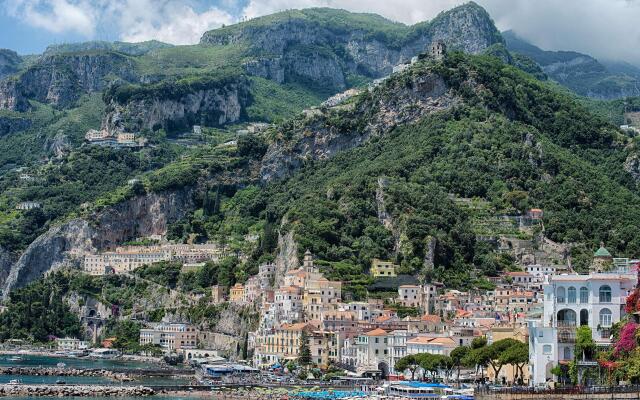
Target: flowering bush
627	341
633	299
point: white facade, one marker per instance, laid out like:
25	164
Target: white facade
596	300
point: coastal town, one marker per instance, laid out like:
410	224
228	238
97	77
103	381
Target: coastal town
307	323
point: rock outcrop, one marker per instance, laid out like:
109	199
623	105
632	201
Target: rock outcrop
66	244
61	79
311	43
412	97
216	104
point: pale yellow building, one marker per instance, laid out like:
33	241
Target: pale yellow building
508	331
382	269
236	293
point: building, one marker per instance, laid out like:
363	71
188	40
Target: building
518	332
382	269
236	293
596	300
431	344
70	344
372	351
170	337
279	344
438	49
218	294
410	295
602	259
28	205
127	258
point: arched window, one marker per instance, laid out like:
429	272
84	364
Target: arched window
605	318
584	295
560	295
571	294
605	294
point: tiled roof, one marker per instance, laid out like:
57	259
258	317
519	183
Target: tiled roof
376	332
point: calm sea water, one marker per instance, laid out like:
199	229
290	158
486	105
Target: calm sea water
80	363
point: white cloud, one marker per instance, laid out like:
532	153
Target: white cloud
56	16
603	28
168	21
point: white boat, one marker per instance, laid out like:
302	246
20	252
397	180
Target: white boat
61	365
15	358
14	382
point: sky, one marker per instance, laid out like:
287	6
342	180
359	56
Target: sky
606	29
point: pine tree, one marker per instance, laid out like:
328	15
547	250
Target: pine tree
304	355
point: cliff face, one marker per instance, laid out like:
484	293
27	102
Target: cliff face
66	244
61	79
376	115
342	49
213	106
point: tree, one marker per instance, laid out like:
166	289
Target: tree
410	363
494	352
458	355
304	354
585	346
517	355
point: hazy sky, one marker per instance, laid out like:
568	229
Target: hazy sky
603	28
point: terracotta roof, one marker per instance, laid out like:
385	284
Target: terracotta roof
431	318
376	332
383	318
294	327
437	341
518	273
409	286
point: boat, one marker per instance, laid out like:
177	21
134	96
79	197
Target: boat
14	382
419	390
60	382
15	358
61	365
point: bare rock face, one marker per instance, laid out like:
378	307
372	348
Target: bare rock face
340	50
65	245
11	97
319	140
61	79
287	257
632	166
216	105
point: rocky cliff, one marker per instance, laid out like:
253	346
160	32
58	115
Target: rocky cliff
61	79
373	114
215	104
337	43
66	244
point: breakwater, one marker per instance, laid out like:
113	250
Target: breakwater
37	371
74	391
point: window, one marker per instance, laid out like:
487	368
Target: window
605	294
605	318
560	295
540	334
546	349
571	295
584	295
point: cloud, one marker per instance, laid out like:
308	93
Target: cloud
168	21
603	28
57	16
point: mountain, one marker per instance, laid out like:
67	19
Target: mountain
9	62
132	49
579	72
388	171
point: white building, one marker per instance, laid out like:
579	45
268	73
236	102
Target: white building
595	300
372	351
171	337
71	344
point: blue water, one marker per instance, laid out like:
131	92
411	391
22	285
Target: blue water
51	361
80	363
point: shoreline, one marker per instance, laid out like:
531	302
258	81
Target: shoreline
52	353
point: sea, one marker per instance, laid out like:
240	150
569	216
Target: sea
27	360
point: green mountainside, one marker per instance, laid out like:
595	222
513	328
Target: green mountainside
581	73
427	168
